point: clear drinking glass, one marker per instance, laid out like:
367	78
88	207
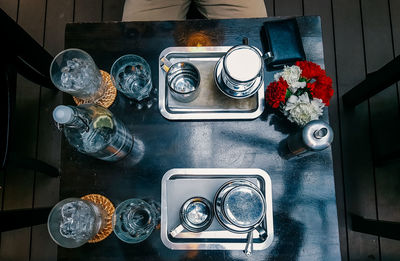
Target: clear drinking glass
73	221
131	75
73	71
134	220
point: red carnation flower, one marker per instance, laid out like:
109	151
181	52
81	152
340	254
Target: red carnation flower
276	92
321	88
310	70
324	80
321	91
311	86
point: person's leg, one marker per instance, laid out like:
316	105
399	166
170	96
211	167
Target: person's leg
225	9
155	10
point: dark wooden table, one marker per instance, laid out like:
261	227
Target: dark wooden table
304	203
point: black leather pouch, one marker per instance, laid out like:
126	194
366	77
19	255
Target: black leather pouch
282	43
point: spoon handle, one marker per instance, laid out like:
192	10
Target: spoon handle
177	230
249	245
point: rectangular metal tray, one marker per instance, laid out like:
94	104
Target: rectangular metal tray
178	185
211	104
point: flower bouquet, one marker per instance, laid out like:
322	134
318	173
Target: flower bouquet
301	92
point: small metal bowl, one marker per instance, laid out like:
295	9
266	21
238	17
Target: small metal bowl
196	215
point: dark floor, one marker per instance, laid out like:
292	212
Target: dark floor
359	37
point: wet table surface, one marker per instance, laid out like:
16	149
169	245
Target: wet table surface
303	194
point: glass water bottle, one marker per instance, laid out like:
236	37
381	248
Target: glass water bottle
94	131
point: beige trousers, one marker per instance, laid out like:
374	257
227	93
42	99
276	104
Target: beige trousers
162	10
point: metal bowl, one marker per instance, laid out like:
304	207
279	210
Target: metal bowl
196	215
230	211
240	207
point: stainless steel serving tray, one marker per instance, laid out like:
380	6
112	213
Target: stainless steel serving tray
211	104
178	185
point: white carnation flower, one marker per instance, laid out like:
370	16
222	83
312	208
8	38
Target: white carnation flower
300	110
291	74
297	85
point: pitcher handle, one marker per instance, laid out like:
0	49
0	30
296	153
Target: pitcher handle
165	64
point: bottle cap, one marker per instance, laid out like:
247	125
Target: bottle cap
63	114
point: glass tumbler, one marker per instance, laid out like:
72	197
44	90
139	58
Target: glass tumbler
73	222
73	71
131	75
134	220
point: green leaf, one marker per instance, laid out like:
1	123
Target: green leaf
300	91
303	79
288	94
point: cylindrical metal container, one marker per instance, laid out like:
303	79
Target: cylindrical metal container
315	136
239	73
